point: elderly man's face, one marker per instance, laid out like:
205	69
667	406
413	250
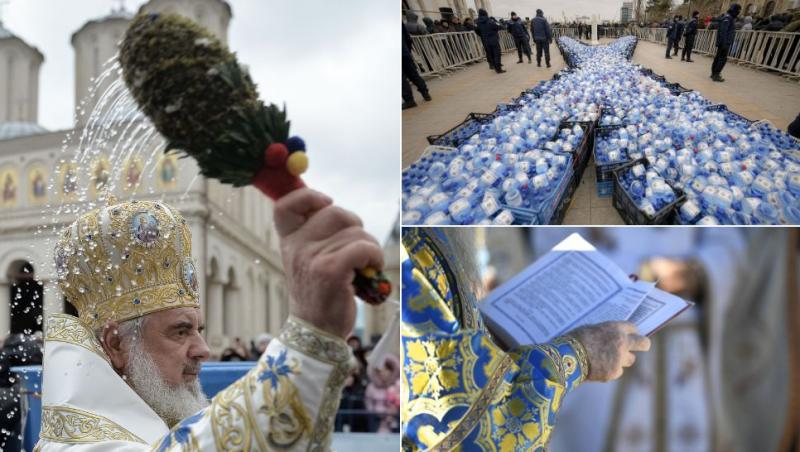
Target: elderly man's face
173	338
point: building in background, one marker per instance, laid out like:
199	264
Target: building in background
446	9
242	285
626	12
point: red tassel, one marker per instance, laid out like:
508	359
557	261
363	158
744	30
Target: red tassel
274	180
276	183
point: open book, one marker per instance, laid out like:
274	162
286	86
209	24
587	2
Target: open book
571	286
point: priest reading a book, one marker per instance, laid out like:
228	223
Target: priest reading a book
492	375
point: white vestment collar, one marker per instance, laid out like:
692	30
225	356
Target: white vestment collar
78	380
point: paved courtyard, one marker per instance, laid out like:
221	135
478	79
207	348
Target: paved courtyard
751	93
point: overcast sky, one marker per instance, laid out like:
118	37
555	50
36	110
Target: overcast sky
607	9
335	64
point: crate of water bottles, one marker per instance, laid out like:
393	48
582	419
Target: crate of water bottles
511	106
573	138
676	89
529	202
612	148
643	196
782	140
552	210
730	117
460	133
611	117
503	164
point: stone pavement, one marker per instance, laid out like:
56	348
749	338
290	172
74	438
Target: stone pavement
753	94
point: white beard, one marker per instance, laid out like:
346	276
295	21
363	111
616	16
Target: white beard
171	404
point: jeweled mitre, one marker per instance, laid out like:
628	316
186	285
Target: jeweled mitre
126	260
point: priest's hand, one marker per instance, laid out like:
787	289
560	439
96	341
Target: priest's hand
609	347
321	246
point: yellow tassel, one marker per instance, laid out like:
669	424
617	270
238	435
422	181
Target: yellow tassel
297	163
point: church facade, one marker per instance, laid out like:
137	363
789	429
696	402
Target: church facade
235	246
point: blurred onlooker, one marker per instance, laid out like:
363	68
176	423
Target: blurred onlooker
17	350
355	343
775	23
382	396
429	25
468	25
748	24
352	414
236	352
413	26
457	26
260	346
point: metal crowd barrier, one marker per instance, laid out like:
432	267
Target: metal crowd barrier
441	53
772	50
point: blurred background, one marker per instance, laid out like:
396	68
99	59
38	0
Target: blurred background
310	57
723	376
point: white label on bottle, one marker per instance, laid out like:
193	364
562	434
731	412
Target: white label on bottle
489	178
437	198
489	205
762	183
690	209
504	218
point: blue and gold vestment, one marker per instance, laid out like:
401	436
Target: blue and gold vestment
460	390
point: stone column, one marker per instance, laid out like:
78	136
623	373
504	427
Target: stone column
5	308
594	30
233	307
215	314
275	319
259	302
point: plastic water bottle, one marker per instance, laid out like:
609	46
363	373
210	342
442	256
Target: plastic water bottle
437	218
412	217
439	202
460	210
437	170
418	203
489	205
689	212
504	218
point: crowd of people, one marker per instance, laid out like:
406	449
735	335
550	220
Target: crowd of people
371	396
488	28
15	350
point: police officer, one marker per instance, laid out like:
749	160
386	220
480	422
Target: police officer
725	35
521	38
688	43
488	28
542	37
678	34
671	34
411	74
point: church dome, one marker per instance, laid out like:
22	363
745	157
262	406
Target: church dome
20	94
10	130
